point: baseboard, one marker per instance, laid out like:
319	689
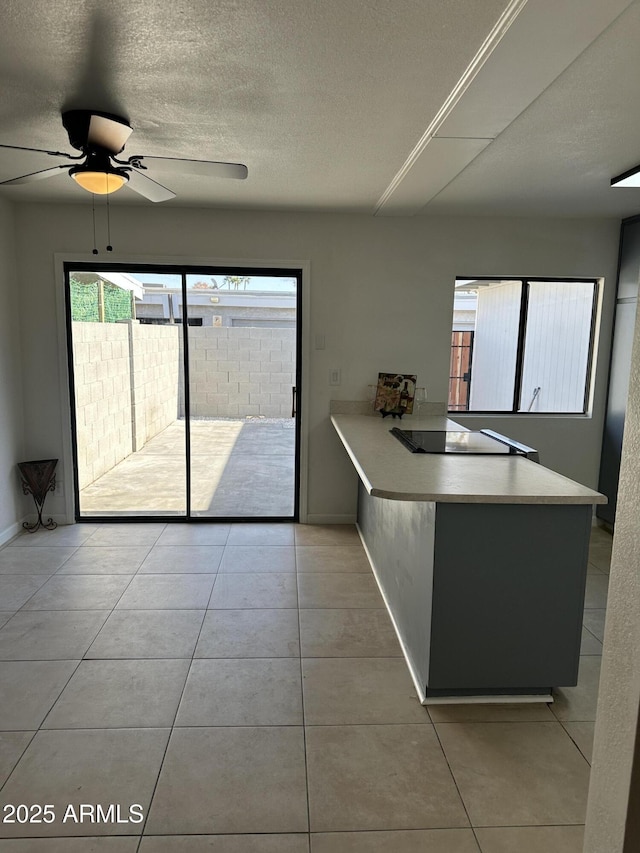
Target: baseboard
11	531
318	518
601	524
59	517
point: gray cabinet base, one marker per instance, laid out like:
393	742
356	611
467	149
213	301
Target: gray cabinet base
487	599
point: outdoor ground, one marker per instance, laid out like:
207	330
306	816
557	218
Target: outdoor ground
241	467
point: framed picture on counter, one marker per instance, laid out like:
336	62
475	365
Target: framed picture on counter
395	394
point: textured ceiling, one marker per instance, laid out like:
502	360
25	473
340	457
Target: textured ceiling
411	106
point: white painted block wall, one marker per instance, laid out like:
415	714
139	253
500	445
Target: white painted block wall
126	388
103	397
241	371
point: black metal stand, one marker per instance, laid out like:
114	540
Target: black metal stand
38	478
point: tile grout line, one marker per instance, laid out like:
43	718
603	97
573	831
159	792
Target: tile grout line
80	661
589	631
172	726
100	630
575	742
304	721
175	716
54	702
39	729
37	574
28	744
24	603
455	782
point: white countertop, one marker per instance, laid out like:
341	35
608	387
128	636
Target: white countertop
388	470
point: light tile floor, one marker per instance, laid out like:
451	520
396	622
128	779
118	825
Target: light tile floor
242	684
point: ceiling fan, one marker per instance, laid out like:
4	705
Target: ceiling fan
100	136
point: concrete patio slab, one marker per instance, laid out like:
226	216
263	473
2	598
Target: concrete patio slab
241	467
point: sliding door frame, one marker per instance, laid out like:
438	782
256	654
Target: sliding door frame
184	267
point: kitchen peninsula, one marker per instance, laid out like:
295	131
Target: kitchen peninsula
481	560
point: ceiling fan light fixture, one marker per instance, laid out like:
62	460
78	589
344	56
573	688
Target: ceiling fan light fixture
99	182
627	179
101	137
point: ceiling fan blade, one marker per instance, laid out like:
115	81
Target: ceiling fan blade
147	187
35	176
108	133
204	168
43	151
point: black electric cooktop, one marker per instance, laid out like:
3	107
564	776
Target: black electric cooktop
450	441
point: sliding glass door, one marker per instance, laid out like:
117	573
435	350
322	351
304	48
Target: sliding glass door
184	384
242	347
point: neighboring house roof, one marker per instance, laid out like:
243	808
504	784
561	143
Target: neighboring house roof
125	281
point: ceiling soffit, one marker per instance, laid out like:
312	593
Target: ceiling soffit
530	46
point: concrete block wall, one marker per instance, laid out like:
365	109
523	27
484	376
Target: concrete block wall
129	383
155	366
126	389
103	397
240	371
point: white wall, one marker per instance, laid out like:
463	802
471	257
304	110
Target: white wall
381	294
12	505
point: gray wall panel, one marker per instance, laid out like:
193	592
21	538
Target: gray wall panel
399	536
508	595
486	597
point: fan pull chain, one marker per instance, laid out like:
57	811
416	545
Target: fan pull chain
93	209
109	246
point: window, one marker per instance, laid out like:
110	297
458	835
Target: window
521	345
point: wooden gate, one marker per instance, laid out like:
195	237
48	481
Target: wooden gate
460	371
